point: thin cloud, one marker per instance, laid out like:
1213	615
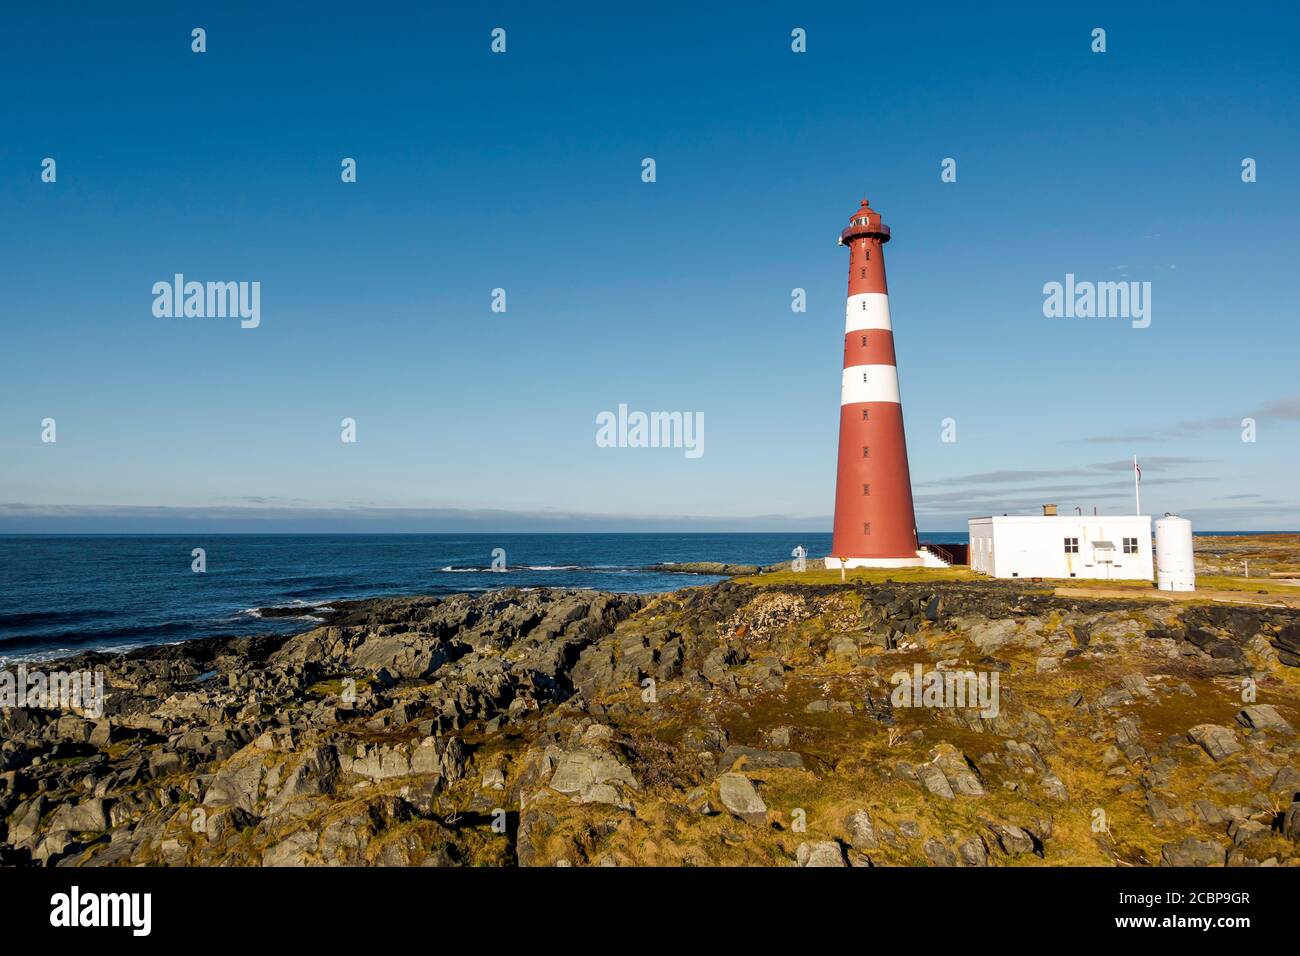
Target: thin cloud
1131	438
1151	463
1013	476
1006	476
1285	409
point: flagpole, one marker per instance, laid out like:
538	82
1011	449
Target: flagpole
1137	485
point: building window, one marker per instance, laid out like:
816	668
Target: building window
1071	545
865	414
1130	545
866	489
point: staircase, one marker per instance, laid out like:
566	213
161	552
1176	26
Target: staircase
930	556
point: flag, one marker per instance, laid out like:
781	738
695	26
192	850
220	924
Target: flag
1137	487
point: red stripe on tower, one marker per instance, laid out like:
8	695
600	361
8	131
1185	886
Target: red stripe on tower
875	523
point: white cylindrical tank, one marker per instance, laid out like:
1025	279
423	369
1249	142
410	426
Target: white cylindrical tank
1175	563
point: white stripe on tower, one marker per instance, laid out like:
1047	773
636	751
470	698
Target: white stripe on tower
867	310
869	383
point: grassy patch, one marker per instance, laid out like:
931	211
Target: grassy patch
862	576
334	686
1223	582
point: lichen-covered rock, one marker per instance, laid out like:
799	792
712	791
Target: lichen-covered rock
822	853
86	816
861	831
938	854
737	794
973	852
1013	840
591	776
1264	717
238	783
1217	741
1192	852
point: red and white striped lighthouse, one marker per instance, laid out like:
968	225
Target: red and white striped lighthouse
875	525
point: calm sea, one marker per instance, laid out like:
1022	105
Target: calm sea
62	594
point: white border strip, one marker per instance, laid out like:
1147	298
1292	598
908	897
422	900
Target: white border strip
869	383
867	310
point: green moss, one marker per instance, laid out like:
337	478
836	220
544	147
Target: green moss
816	575
333	686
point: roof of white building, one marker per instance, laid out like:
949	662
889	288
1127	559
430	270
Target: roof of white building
1029	518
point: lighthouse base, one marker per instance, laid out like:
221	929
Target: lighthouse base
923	559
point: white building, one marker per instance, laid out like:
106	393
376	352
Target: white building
1106	547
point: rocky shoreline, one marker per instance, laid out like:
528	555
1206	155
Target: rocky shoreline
729	724
707	567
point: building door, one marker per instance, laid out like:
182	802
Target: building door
1103	555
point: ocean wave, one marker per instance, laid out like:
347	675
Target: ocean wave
295	603
54	653
308	578
326	593
449	569
38	618
84	637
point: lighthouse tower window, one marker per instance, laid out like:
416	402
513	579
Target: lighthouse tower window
864	376
866	451
866	490
866	414
864	341
866	527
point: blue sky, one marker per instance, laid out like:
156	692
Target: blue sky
523	171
